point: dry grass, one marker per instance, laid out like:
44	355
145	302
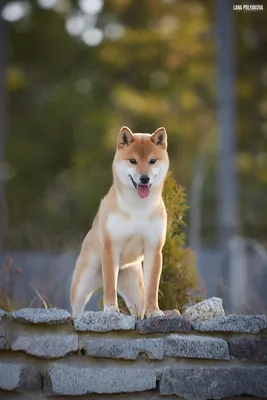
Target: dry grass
5	303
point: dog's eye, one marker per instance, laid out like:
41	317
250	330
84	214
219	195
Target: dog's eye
152	161
133	161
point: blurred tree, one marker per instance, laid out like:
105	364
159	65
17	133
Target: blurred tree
78	71
2	125
252	121
68	100
251	92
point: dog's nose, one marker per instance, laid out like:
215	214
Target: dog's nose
144	179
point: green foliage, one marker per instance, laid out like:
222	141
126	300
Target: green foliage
179	284
67	101
65	112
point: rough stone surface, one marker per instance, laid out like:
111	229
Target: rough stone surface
34	395
2	343
19	377
128	349
204	310
214	382
171	313
42	315
249	348
68	380
9	376
46	346
97	321
192	346
233	323
163	325
2	314
2	339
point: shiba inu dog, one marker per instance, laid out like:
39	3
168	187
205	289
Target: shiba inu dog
123	250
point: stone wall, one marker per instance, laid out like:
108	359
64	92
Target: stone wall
46	355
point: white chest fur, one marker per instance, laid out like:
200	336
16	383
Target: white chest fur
139	224
133	234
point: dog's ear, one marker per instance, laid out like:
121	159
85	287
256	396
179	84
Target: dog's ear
125	137
159	137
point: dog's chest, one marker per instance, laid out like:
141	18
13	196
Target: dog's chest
134	229
120	226
132	250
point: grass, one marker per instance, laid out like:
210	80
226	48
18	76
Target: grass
5	303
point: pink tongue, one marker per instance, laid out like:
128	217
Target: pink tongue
143	191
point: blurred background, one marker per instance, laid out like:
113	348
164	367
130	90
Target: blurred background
72	73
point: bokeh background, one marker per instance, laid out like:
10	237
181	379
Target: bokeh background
72	73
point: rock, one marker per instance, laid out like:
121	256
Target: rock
163	325
64	379
16	377
97	321
3	342
171	313
42	315
249	348
2	314
127	349
192	346
233	323
204	310
214	382
46	346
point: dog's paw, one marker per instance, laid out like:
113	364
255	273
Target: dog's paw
154	314
111	309
74	315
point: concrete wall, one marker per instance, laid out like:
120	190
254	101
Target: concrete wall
44	354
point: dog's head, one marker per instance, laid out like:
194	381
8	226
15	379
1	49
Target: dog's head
141	160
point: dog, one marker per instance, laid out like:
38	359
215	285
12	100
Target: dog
123	250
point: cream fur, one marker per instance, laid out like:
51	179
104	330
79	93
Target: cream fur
127	232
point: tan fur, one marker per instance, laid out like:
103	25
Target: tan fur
123	250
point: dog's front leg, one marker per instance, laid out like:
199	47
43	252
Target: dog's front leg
152	272
110	271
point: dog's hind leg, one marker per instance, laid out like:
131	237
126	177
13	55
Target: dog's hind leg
86	279
131	288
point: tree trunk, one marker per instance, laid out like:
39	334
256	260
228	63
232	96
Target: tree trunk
2	127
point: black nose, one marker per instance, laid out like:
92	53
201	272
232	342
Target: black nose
144	179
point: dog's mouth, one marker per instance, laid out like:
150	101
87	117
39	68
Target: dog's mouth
143	191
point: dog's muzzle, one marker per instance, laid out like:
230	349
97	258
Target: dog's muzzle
134	183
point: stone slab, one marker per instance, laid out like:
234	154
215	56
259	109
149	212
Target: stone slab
42	315
233	323
127	349
46	346
17	377
203	383
63	379
249	348
192	346
97	321
3	342
163	325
